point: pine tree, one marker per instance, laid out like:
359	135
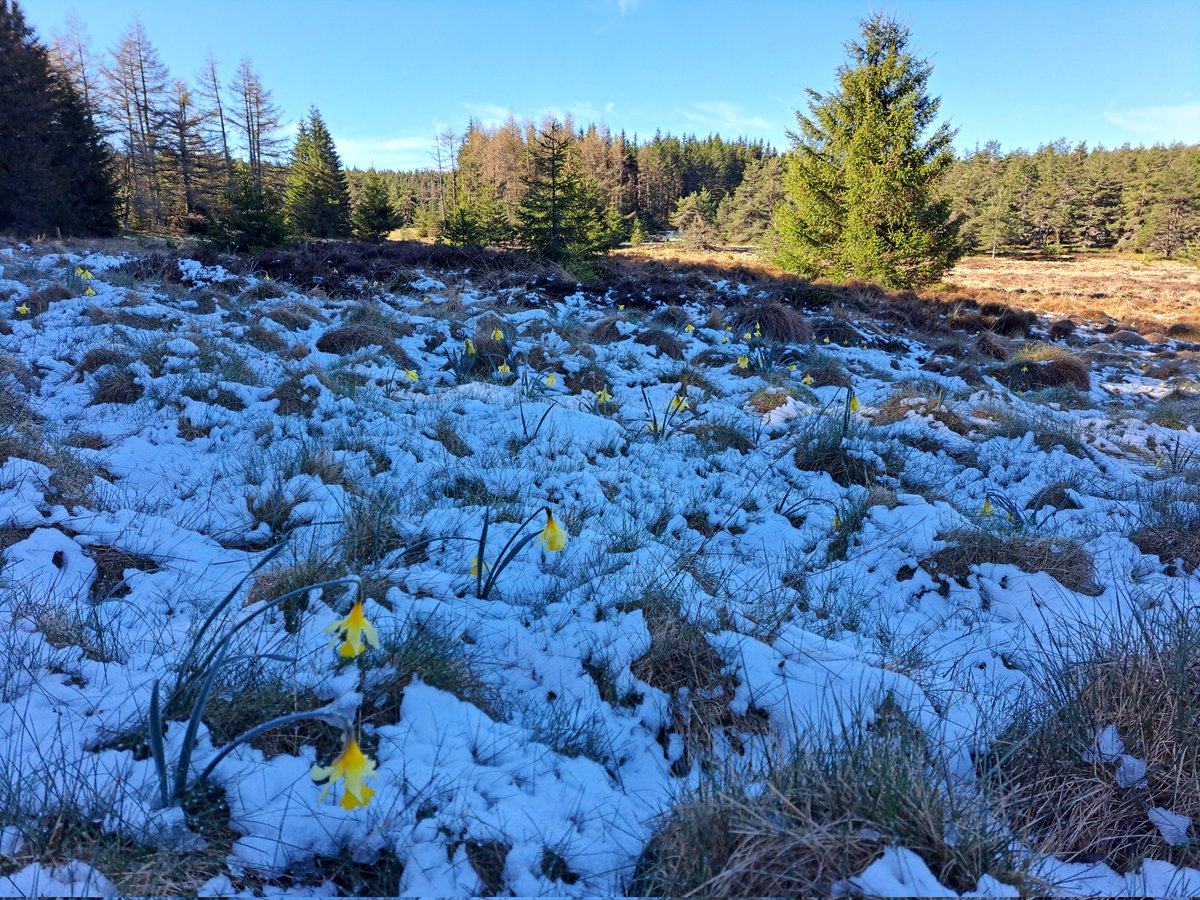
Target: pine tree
695	218
373	217
55	169
559	214
317	200
861	180
254	219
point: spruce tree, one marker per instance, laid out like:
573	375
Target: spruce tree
55	170
861	182
559	215
254	219
316	200
373	217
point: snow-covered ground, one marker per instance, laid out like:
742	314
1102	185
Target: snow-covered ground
559	741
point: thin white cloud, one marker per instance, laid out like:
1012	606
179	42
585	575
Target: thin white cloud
625	6
408	152
726	117
1165	124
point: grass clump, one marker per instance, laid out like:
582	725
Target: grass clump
1064	559
821	815
1066	781
1169	522
1036	365
931	403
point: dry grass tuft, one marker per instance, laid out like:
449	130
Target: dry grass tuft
355	336
605	331
120	386
1037	365
1064	559
1144	682
926	402
778	322
665	343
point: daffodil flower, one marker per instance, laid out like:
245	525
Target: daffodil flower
86	276
747	336
620	307
743	361
79	271
836	523
827	340
987	507
550	380
689	327
469	347
757	330
23	309
553	536
504	369
355	632
266	277
807	379
412	375
604	396
497	334
792	367
475	566
679	403
854	404
352	767
89	292
725	340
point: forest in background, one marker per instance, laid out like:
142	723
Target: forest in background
210	156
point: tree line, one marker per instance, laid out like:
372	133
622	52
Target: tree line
870	187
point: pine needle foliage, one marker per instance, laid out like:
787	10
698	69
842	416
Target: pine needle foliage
559	216
861	185
317	200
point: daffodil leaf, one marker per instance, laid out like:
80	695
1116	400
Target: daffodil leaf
157	751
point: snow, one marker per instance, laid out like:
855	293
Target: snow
553	762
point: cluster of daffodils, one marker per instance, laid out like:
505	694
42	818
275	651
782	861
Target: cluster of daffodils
354	633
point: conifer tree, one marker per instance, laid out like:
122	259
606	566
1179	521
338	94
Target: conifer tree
373	217
559	214
55	169
861	180
254	219
317	200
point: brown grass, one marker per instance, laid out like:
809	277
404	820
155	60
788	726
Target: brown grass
1037	365
1125	287
360	335
1147	685
1063	559
664	343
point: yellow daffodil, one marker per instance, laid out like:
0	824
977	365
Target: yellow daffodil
827	340
854	404
504	369
266	277
620	307
23	309
355	632
79	271
1024	368
836	523
807	379
747	336
792	367
654	427
352	767
89	292
469	347
725	340
679	403
412	375
689	327
497	334
604	396
1158	463
475	566
86	276
743	361
550	380
987	507
553	536
729	328
757	330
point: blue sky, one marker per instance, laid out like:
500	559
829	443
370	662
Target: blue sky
388	75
